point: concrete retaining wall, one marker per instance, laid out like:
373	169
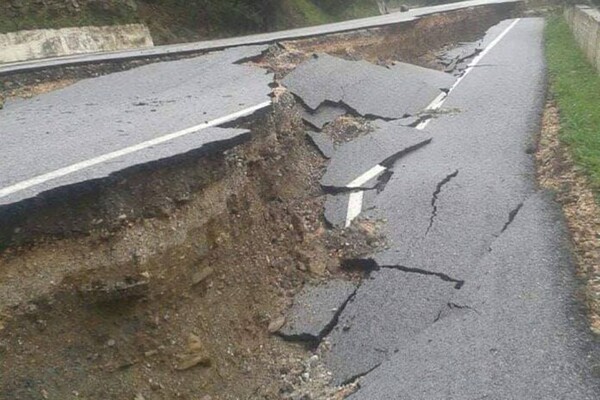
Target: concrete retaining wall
45	43
585	24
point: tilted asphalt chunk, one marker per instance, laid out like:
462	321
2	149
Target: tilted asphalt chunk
315	310
323	143
367	89
336	207
354	158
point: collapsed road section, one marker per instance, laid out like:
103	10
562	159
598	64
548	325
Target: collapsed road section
474	294
232	259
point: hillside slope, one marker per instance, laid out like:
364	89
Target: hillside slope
181	20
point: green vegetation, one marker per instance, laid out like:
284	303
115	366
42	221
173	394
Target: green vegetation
34	15
181	20
575	85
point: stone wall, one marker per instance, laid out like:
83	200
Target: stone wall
585	24
44	43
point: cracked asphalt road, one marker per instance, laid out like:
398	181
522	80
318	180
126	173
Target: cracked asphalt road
476	297
96	117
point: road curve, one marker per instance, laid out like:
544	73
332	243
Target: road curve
263	38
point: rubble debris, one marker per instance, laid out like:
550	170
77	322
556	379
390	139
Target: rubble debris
128	288
195	355
202	275
276	324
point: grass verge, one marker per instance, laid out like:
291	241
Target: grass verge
568	155
575	86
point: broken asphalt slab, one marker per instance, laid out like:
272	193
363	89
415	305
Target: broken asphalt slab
107	114
323	143
353	159
369	90
315	311
466	207
458	58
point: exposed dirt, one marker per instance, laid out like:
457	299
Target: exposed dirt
557	171
416	42
28	91
347	128
174	305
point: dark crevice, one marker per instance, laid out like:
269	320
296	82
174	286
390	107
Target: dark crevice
369	265
356	377
308	340
335	190
354	112
453	306
383	180
350	110
391	160
457	282
438	316
336	317
434	198
511	217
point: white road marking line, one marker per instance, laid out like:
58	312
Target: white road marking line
356	198
354	207
366	177
38	180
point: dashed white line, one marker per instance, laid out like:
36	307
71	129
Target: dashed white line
356	198
40	179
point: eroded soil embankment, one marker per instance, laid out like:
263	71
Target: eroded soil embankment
173	300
